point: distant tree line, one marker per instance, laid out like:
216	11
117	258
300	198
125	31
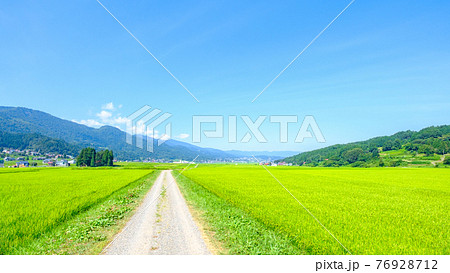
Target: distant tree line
429	141
89	157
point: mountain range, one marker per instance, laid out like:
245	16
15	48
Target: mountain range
33	129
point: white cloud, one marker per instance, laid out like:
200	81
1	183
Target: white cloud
139	129
120	120
104	115
90	123
154	135
165	137
183	136
110	106
109	116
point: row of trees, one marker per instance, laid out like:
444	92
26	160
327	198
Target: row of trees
89	157
430	145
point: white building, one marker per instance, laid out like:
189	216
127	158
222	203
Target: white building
62	163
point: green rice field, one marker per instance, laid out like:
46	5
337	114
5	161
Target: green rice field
33	201
370	211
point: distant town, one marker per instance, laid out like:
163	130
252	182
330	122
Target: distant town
16	158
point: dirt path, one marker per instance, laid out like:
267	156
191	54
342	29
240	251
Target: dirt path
164	226
438	161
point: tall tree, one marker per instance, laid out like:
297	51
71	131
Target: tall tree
92	157
111	158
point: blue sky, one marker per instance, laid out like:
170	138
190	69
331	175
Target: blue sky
382	67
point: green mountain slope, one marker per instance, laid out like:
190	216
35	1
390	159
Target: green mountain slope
379	151
38	143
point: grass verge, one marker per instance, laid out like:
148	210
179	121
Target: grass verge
89	232
231	230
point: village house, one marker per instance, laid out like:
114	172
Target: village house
62	163
23	164
49	162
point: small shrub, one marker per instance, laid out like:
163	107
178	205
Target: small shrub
446	160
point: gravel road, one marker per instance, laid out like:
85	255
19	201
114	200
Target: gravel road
161	227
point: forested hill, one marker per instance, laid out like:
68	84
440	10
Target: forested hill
37	142
428	141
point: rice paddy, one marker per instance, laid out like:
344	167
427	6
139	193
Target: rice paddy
370	211
33	201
